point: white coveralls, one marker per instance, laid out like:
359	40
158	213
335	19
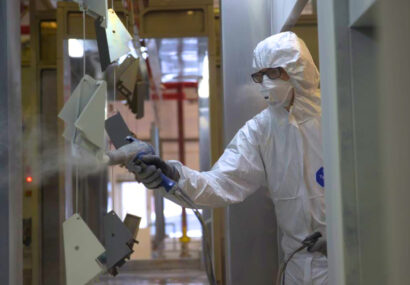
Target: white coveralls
281	150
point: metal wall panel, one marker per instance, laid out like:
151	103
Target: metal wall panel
11	251
285	14
331	154
358	8
51	231
395	138
366	116
252	255
351	118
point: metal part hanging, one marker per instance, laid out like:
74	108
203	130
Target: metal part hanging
113	40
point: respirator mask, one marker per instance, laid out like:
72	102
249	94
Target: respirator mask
277	92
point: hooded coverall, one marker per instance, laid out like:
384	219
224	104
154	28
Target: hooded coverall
281	150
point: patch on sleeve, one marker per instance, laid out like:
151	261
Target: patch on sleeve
320	177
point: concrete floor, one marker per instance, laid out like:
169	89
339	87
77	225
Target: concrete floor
157	277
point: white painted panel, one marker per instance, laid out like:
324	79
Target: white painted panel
81	249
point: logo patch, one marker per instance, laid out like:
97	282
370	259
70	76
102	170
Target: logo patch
320	177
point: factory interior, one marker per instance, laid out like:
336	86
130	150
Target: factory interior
175	76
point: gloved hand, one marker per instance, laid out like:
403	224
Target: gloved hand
151	174
319	246
169	170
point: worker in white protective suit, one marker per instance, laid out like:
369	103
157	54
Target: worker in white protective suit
280	148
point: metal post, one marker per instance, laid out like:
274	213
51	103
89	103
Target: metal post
255	248
11	252
158	200
395	138
181	134
181	150
349	43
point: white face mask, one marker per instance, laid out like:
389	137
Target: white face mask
278	92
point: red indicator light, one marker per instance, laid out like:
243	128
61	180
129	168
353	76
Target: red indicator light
29	179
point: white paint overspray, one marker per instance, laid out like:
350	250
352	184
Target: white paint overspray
50	158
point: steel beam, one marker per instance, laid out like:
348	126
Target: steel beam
11	251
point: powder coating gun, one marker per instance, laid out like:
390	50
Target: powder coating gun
121	136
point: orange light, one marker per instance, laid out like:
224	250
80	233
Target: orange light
29	179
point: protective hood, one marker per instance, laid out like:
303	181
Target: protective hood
288	51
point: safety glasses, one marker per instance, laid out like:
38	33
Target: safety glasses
272	73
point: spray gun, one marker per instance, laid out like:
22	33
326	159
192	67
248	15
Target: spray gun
121	136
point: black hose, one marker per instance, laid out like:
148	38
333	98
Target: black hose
280	280
207	252
306	243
